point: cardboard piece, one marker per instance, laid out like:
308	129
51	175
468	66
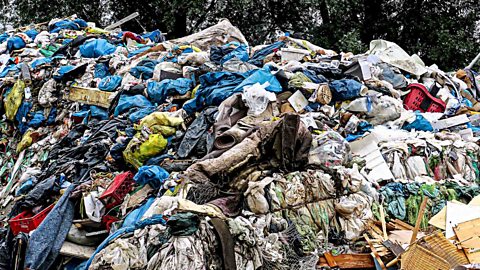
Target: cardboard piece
440	219
367	147
458	213
450	122
298	101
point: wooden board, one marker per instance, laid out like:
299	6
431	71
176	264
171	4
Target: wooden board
91	96
74	250
468	234
350	261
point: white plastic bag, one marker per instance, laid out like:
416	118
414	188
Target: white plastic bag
257	98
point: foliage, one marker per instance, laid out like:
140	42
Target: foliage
442	32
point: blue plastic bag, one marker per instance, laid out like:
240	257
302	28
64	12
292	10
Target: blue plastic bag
62	71
4	37
37	120
155	36
144	69
158	91
40	61
10	68
259	56
22	113
95	48
15	43
345	89
261	76
99	113
110	83
153	175
137	114
51	116
32	33
126	102
101	70
215	87
240	52
420	123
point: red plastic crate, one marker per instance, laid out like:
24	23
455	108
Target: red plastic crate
420	99
117	190
27	222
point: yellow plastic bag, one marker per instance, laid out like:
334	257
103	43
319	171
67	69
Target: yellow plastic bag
160	123
138	151
25	142
14	99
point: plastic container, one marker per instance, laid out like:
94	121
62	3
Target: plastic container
27	222
117	190
420	99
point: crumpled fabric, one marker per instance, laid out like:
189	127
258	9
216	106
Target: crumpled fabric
131	252
195	252
46	241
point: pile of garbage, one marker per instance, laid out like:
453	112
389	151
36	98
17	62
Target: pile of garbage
128	151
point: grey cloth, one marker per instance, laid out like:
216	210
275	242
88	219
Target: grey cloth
48	238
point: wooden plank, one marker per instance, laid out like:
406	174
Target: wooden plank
374	252
405	225
384	225
91	96
330	259
419	219
468	234
74	250
122	21
376	230
350	261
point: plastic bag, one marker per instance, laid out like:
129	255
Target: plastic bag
153	175
257	98
96	47
14	99
110	83
138	151
347	89
328	150
126	102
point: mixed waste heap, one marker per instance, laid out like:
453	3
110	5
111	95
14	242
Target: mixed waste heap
128	151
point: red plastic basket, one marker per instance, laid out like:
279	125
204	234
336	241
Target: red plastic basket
420	99
117	190
27	222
